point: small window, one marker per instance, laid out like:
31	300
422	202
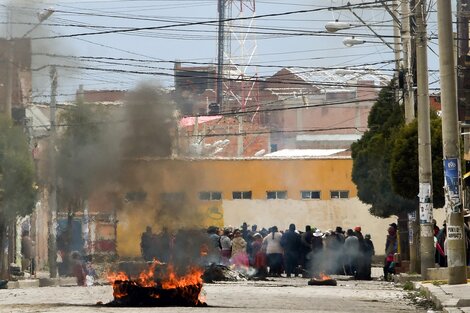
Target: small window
136	196
339	194
172	196
237	195
210	195
276	194
310	194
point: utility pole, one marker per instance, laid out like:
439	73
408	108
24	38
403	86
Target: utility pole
463	95
407	64
424	144
52	238
220	54
9	82
451	147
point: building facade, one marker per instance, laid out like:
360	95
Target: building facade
264	191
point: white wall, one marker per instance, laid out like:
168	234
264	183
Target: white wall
323	214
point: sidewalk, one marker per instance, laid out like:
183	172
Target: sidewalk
448	298
42	279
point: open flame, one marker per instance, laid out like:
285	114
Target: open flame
323	276
160	280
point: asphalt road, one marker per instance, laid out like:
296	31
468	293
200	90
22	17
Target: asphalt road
276	295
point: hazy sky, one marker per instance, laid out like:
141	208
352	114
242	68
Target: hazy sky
121	60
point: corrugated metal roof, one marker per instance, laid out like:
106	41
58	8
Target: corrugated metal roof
287	153
329	137
341	77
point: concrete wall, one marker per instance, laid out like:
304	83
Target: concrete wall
158	177
323	214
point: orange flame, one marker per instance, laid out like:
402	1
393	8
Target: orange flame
173	281
323	276
112	277
170	280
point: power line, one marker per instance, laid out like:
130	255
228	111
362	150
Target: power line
133	29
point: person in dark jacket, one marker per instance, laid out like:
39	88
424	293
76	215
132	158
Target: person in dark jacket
290	241
315	256
146	244
369	251
306	246
391	247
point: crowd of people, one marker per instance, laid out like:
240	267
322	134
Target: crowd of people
274	252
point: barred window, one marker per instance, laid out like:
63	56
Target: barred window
210	195
238	195
339	194
281	194
310	194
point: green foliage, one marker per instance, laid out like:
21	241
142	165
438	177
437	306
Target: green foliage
372	156
405	165
17	172
81	154
408	286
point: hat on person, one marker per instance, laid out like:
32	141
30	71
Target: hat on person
394	225
318	233
357	228
339	229
257	235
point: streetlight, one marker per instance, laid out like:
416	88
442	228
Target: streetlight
333	27
352	41
42	16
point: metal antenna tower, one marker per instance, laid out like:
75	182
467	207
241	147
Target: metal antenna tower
240	78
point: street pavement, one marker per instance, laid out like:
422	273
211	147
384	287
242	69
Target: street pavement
273	295
448	298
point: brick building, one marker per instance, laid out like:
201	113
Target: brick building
15	65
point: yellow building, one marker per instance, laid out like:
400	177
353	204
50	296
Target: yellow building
177	193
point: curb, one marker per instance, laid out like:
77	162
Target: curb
42	282
442	300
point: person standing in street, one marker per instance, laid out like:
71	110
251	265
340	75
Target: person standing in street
290	242
351	249
391	247
239	255
305	246
369	251
27	253
274	251
225	247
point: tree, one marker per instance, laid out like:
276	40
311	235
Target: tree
404	164
83	161
17	177
372	158
96	138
